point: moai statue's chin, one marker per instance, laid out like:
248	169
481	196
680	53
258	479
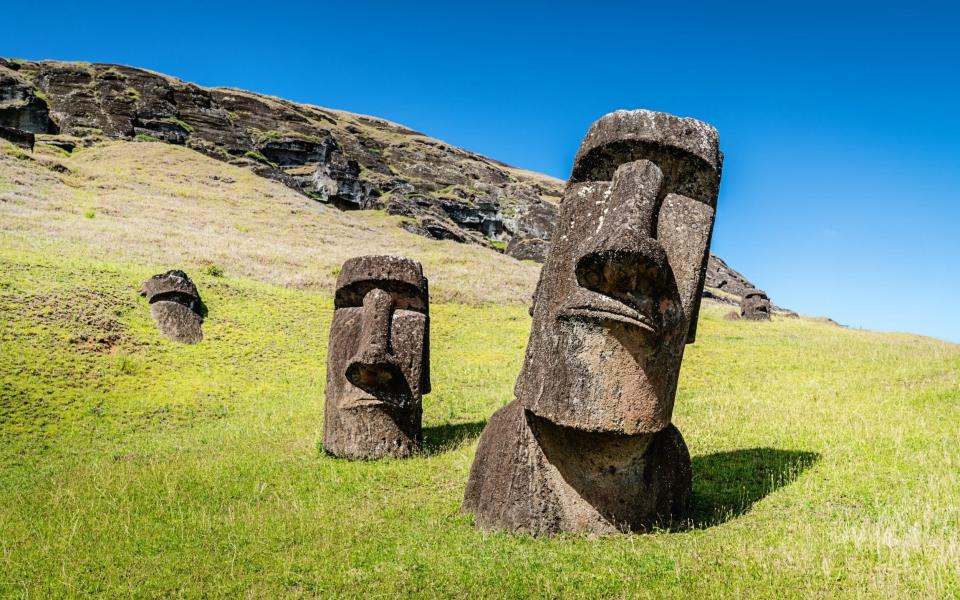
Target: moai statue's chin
378	359
587	445
755	306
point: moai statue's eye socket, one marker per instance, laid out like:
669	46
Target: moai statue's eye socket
684	173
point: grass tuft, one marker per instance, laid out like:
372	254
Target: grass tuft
213	271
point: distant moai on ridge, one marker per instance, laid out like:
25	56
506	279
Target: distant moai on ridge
755	306
587	445
378	359
175	305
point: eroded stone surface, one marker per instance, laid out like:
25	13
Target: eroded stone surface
755	306
588	444
175	305
378	360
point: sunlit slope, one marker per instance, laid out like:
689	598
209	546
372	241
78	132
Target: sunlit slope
164	206
826	460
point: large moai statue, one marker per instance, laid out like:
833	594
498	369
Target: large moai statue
755	305
587	445
378	361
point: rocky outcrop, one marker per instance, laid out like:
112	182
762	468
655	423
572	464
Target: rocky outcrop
725	285
347	160
22	106
24	139
351	161
721	277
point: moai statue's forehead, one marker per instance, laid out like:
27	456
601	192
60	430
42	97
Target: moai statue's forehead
756	294
171	282
686	150
401	276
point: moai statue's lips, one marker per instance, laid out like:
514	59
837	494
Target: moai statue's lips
363	401
588	313
590	306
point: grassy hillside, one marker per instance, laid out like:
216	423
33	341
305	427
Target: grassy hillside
160	204
826	460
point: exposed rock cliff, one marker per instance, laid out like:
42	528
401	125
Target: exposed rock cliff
348	160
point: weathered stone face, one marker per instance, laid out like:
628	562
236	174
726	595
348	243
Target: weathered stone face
378	363
755	306
588	445
619	293
175	306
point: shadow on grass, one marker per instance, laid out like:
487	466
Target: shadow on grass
441	438
727	484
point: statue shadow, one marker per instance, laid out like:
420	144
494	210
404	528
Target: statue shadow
202	309
728	484
440	438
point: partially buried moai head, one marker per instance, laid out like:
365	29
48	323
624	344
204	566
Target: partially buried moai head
755	306
378	363
619	293
175	306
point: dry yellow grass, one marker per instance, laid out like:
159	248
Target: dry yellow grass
169	206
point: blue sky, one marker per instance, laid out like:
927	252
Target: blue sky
839	121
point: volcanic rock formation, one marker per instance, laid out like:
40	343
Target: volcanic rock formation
352	161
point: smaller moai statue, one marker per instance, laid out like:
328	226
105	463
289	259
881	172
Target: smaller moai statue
378	359
755	306
175	306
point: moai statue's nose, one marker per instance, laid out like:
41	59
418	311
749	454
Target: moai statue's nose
373	368
624	258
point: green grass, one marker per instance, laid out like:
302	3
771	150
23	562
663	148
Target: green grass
826	460
146	137
213	270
